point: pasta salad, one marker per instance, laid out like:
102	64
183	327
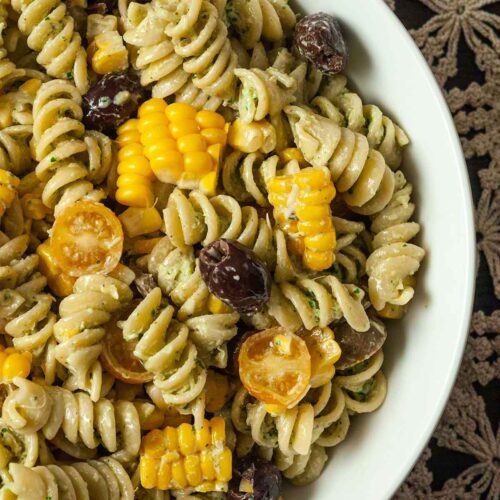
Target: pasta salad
203	231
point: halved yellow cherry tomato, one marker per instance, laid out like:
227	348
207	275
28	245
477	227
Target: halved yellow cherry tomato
275	367
118	357
87	238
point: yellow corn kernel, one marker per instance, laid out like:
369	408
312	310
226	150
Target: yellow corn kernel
111	55
280	185
203	435
187	440
60	283
128	126
151	120
31	86
321	242
312	177
205	487
208	183
155	135
128	137
148	470
8	179
392	311
171	438
317	197
290	154
193	470
164	475
150	106
275	409
139	221
136	165
126	180
149	419
224	470
207	465
218	427
215	152
252	137
313	212
191	143
312	227
179	480
17	365
139	196
184	127
179	111
318	261
216	391
130	150
295	245
198	162
5	456
216	306
153	443
210	119
168	168
214	136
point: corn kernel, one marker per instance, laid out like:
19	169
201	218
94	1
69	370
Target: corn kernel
7	178
208	184
320	242
210	119
312	178
151	120
164	475
290	154
128	137
275	409
130	150
179	480
144	246
149	471
323	195
187	441
207	465
111	55
59	282
136	165
193	470
215	152
16	365
179	111
150	106
216	306
139	196
312	227
214	136
314	212
171	438
198	162
184	127
318	261
155	135
225	466
128	126
153	443
191	143
218	431
168	168
139	221
203	435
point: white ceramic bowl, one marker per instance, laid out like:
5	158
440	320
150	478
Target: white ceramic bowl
423	352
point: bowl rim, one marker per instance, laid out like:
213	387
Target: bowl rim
469	251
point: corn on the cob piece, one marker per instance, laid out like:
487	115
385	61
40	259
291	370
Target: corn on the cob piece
8	185
187	458
301	204
14	363
134	171
183	145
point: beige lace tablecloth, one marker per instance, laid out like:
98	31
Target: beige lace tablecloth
460	40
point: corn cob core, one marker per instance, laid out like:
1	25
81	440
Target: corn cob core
8	184
14	363
134	171
187	458
182	144
301	204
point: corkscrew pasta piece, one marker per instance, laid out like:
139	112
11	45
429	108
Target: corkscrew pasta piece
18	448
337	102
317	302
255	20
364	385
394	261
17	105
15	153
302	469
60	142
263	93
73	422
359	173
200	38
80	329
51	32
188	458
80	480
165	349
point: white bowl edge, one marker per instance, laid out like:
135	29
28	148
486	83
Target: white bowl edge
365	486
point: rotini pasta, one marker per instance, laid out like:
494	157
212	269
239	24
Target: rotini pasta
79	330
51	32
73	422
394	261
18	448
90	479
359	173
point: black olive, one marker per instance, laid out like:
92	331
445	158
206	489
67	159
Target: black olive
319	39
261	477
235	275
111	101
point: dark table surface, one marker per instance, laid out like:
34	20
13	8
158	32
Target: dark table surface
460	40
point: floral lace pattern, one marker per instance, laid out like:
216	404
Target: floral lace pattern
459	39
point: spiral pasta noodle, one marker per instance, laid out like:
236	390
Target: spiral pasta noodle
24	308
24	448
89	479
51	32
60	144
346	108
73	422
394	261
166	351
199	37
15	153
79	331
254	20
359	173
263	93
